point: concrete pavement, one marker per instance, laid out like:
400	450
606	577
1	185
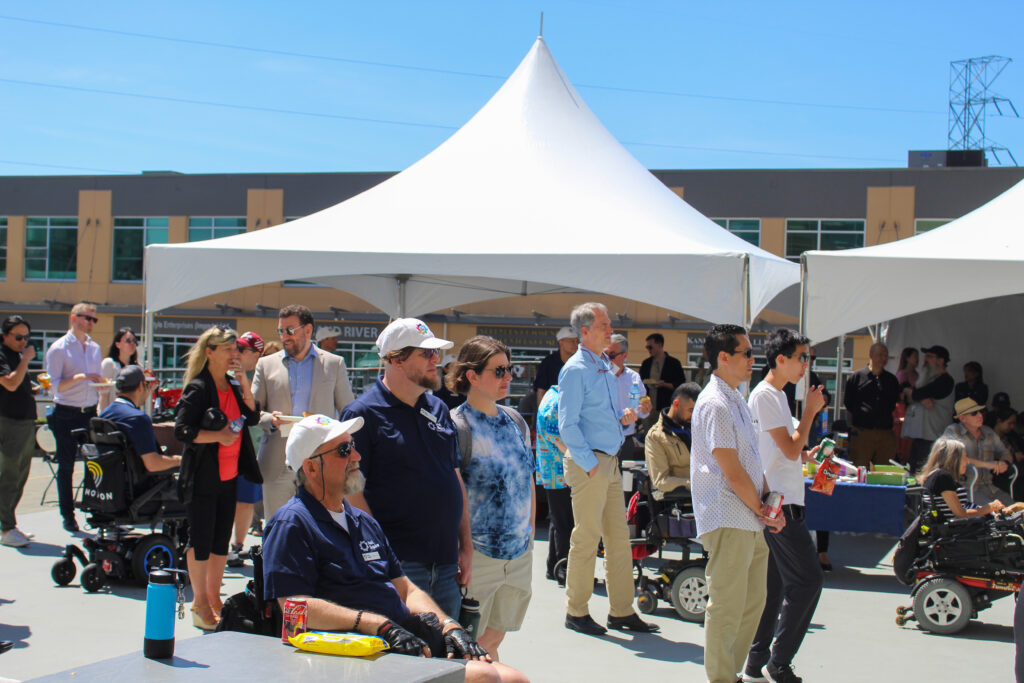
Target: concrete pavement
853	637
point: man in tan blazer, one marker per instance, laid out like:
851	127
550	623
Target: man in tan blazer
299	379
667	445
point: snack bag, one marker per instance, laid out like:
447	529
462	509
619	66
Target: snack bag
825	479
347	644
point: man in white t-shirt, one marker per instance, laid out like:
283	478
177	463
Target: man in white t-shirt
794	573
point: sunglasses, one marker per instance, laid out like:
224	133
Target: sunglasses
803	357
499	371
612	355
90	318
130	340
749	353
430	353
288	330
20	337
343	450
649	347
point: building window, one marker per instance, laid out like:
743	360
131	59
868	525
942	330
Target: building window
926	224
51	248
824	234
748	229
131	235
3	247
202	228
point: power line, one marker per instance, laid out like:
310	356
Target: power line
70	168
471	74
247	107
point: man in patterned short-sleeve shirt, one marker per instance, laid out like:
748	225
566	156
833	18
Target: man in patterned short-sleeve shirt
727	480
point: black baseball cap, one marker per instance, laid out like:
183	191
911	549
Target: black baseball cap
130	377
940	351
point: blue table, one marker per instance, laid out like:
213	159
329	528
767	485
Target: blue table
866	508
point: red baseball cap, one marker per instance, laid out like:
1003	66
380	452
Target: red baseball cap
251	340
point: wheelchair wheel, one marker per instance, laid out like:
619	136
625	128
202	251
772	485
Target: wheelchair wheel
689	593
63	572
560	570
155	551
646	602
943	606
93	577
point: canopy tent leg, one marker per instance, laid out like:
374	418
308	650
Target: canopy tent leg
840	350
402	285
149	346
746	292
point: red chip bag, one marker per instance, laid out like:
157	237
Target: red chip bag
825	479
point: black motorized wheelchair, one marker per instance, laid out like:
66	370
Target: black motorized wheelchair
140	525
655	522
957	567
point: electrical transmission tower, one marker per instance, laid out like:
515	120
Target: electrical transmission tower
970	98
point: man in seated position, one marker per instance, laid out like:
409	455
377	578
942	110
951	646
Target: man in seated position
336	557
132	392
667	446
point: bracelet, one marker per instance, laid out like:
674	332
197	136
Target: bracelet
359	616
449	620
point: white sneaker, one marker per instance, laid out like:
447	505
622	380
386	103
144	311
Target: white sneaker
14	539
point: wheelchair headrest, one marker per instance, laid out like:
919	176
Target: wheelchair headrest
107	433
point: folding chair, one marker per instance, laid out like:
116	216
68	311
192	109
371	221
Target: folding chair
48	444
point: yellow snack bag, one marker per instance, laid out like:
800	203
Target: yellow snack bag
347	644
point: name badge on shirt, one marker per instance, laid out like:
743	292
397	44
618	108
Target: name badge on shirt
367	557
429	415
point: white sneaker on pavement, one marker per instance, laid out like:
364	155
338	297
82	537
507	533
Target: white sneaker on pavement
14	539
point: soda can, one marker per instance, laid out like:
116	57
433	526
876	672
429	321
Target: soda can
293	619
828	447
772	505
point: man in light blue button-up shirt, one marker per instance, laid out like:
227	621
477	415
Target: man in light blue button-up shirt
591	428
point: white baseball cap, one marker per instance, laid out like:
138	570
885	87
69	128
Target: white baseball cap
326	332
448	358
409	332
311	432
565	333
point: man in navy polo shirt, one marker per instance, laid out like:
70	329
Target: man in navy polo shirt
133	391
336	557
410	461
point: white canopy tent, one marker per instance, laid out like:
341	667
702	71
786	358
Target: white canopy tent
977	256
532	195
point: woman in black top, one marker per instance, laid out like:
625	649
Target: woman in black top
211	417
947	463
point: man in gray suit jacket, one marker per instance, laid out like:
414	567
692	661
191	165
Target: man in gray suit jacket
300	379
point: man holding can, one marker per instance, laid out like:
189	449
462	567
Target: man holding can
794	572
73	363
728	484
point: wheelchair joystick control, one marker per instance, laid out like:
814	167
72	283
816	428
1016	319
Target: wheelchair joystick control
162	596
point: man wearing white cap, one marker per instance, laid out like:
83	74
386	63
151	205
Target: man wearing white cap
327	337
547	371
411	461
337	558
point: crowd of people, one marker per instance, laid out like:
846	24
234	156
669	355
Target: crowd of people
385	511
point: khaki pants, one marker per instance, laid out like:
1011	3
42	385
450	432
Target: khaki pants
599	511
736	576
872	446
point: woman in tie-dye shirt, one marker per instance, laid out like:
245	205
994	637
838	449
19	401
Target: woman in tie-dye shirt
499	486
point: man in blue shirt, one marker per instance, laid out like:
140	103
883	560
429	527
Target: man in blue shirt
410	459
336	558
133	391
591	428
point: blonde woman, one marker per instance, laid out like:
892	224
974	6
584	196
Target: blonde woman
946	465
211	417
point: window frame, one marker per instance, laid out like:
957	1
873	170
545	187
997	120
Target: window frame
818	232
50	228
145	228
740	233
213	227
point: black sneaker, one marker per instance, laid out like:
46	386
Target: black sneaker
234	559
781	674
71	525
632	623
584	624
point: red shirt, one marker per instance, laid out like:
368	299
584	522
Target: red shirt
227	456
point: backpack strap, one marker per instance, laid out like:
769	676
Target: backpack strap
520	422
465	437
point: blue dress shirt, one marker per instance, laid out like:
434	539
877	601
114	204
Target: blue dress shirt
300	379
587	414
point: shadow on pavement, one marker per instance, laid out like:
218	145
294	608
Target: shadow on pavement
850	579
976	630
16	634
37	549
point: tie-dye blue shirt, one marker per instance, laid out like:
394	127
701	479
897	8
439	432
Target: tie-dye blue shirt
499	485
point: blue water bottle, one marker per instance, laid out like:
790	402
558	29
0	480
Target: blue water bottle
634	396
161	596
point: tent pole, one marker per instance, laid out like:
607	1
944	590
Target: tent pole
746	292
147	334
803	296
402	279
840	351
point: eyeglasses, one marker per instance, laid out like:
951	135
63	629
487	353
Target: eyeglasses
612	355
90	318
343	450
749	352
20	337
288	330
803	357
499	371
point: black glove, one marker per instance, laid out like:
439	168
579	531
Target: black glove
460	644
401	641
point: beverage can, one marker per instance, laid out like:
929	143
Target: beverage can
293	620
828	447
237	424
772	505
44	381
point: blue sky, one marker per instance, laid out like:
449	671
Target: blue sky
327	86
